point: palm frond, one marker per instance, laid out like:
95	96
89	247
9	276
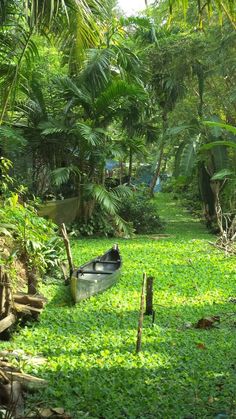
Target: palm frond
91	135
54	127
73	91
121	192
96	69
226	7
11	139
115	91
123	225
127	60
22	50
61	175
108	202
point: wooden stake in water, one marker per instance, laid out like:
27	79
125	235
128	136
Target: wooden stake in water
149	296
141	312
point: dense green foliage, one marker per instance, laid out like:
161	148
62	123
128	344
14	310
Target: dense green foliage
30	238
90	348
35	240
81	86
123	89
141	212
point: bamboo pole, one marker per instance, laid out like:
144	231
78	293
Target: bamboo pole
68	249
141	312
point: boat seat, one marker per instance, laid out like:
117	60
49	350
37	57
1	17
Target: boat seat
93	271
106	261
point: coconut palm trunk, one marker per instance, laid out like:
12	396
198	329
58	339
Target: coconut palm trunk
162	144
130	165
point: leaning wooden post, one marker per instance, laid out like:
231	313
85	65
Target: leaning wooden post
149	296
8	295
67	246
141	312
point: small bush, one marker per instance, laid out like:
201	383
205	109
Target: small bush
141	211
99	224
34	238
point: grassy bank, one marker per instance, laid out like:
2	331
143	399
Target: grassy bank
182	372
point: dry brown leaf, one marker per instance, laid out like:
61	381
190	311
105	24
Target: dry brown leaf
207	322
201	345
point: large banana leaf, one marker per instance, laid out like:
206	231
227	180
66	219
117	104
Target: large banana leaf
227	127
213	144
220	158
187	160
222	174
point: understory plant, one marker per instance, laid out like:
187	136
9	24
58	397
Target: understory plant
33	239
141	211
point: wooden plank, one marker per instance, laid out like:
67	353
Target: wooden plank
7	322
27	380
26	299
22	308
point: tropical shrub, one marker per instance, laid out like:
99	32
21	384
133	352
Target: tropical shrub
141	211
31	238
99	224
34	237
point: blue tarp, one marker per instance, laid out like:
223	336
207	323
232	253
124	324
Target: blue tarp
145	174
111	164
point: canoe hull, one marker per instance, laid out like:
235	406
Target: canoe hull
96	276
82	289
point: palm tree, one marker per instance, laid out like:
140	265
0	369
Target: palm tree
204	10
89	138
21	21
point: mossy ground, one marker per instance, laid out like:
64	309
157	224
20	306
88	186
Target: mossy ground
182	372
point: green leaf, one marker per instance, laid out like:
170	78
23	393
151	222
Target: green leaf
213	144
227	127
222	174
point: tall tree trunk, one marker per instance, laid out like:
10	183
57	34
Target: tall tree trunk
158	168
80	215
130	165
1	191
103	175
121	171
206	194
32	280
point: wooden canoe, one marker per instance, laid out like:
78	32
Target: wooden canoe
96	275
